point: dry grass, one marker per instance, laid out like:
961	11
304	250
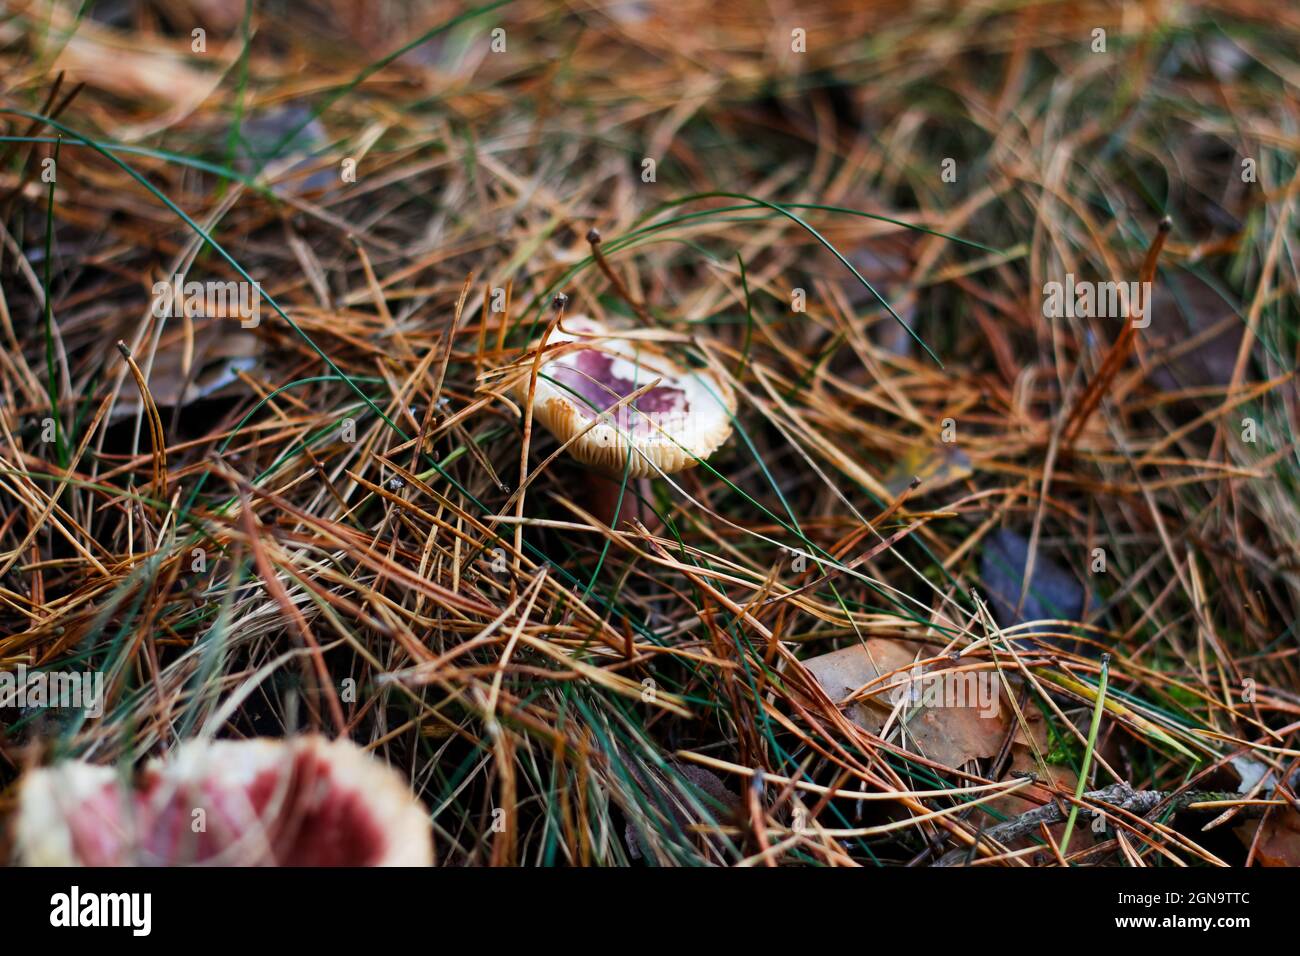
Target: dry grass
436	589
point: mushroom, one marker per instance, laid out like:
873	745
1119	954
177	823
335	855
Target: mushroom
675	424
306	801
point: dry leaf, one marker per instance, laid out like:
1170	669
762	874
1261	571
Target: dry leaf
179	377
1279	837
944	464
718	801
1054	592
936	727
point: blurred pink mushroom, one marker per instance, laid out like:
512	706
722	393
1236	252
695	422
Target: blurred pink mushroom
306	801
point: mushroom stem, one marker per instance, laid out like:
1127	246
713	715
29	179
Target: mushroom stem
603	501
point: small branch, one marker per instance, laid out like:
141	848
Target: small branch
1119	350
593	237
1118	795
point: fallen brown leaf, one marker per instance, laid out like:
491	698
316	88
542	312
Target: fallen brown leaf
948	734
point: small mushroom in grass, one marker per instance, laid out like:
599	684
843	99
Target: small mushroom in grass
683	418
307	801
